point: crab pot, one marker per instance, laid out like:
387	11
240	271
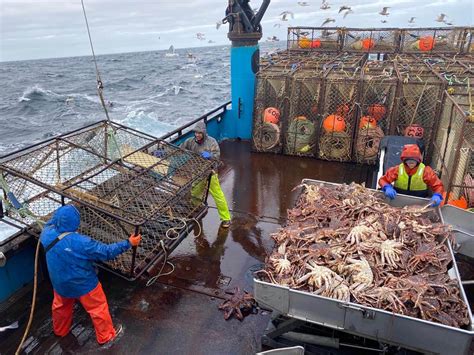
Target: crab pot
453	153
122	182
418	105
313	39
378	91
304	117
433	40
339	113
271	109
371	40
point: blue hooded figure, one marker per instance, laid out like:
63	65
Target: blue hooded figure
73	275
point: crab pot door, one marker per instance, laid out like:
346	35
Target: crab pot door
371	40
271	107
300	134
338	120
433	40
373	117
418	108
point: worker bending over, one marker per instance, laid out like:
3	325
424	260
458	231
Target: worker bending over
412	177
70	257
208	148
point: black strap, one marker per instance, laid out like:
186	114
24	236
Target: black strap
56	241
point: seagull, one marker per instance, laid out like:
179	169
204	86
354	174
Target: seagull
412	20
327	21
325	5
218	24
383	21
277	25
284	15
325	33
344	7
303	3
384	11
347	13
200	36
441	18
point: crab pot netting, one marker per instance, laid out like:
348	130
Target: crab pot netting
371	40
378	91
118	178
272	92
338	111
314	39
435	40
417	104
304	118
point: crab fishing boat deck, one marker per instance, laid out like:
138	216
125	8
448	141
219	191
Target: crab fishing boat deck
179	313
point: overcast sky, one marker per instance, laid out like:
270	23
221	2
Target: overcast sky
32	29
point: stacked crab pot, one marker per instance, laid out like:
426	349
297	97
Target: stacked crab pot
345	242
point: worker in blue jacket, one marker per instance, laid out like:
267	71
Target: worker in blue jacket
70	257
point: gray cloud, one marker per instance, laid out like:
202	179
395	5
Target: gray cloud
40	29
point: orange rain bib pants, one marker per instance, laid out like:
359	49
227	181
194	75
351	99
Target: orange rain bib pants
94	303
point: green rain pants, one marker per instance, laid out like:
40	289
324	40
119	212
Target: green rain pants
216	193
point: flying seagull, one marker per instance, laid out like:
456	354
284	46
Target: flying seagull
327	21
347	13
412	20
383	21
441	18
325	33
285	14
384	11
325	5
303	3
344	7
200	36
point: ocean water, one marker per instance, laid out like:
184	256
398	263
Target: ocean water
148	91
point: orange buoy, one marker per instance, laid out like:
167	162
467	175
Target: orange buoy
377	111
271	115
426	43
334	123
316	43
367	122
343	110
368	43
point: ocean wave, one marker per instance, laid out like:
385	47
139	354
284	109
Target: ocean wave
37	92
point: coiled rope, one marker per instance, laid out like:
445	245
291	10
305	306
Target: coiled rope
266	137
300	135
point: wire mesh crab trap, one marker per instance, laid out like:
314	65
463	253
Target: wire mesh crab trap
418	100
122	182
453	154
314	39
271	109
338	109
378	90
303	119
371	40
433	40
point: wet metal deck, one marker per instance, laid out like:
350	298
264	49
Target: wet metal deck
179	313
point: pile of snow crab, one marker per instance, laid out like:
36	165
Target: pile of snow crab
345	242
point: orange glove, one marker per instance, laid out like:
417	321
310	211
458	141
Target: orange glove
135	239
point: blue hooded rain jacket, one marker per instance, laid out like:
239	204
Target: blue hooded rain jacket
71	260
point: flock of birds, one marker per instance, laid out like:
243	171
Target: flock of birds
346	10
325	5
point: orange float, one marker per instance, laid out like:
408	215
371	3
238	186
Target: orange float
271	115
304	42
316	43
426	43
377	111
367	122
334	123
368	43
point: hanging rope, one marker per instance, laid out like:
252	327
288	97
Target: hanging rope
100	85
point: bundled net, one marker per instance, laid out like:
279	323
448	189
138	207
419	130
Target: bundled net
122	181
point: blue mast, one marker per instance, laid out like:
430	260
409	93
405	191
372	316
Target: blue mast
244	31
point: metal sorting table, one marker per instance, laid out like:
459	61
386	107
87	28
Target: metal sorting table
387	327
